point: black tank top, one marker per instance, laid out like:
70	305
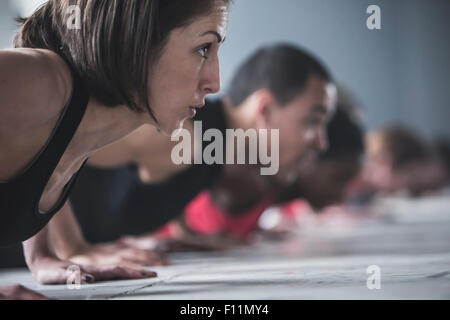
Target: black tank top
20	217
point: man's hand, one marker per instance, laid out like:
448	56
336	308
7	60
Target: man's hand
49	270
18	292
117	253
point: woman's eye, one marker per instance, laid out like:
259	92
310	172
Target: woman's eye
204	51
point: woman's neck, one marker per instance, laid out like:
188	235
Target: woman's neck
103	125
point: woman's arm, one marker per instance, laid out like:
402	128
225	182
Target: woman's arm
48	268
70	245
65	233
43	263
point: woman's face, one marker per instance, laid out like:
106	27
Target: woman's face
187	70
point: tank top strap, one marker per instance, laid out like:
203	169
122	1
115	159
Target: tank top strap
72	115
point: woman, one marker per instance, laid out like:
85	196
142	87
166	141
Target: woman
119	194
67	92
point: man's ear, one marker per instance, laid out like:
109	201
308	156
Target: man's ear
264	103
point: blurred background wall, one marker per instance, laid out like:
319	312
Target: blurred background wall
398	73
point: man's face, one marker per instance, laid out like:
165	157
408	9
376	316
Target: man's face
302	124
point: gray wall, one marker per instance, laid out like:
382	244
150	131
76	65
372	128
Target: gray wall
401	72
423	55
7	24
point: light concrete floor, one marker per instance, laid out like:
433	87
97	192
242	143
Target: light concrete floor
409	242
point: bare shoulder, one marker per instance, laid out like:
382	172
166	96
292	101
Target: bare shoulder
34	87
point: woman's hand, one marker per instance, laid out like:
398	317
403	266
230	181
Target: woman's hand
18	292
49	270
69	245
117	253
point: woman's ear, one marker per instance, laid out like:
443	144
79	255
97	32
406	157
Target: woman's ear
264	106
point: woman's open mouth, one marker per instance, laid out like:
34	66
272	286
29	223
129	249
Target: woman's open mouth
192	112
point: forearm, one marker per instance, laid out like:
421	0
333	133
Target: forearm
38	247
61	238
65	233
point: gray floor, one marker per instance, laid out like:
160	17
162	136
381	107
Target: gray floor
409	242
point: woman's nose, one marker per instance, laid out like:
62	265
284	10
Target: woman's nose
322	140
210	82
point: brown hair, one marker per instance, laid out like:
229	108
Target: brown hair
116	43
